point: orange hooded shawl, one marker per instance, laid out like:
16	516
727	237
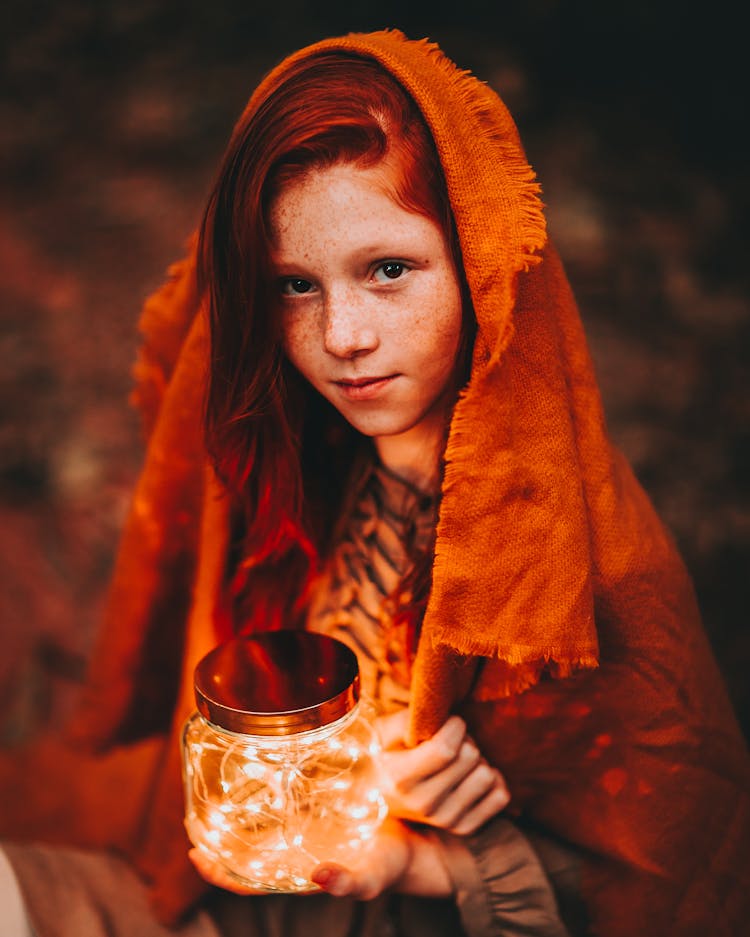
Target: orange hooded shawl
561	622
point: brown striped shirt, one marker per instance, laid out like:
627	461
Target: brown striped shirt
356	597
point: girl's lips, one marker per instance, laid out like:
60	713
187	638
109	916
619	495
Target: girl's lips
365	388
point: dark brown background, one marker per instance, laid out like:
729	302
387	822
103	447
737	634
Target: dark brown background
112	119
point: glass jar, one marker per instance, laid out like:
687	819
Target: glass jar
280	760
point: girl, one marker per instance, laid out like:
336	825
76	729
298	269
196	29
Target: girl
403	447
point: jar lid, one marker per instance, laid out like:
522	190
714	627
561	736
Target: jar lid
277	683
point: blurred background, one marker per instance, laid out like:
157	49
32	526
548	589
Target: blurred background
113	116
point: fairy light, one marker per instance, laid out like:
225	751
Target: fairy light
217	820
273	792
271	810
250	768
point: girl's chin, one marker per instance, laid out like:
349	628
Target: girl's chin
391	431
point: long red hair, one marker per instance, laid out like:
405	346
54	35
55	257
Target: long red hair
270	436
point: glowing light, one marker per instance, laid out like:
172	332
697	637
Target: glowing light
218	821
253	770
274	757
278	801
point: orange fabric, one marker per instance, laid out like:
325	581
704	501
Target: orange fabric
561	621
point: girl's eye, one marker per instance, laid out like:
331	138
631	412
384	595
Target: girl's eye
295	286
390	270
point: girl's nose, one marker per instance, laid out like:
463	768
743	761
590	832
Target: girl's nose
349	329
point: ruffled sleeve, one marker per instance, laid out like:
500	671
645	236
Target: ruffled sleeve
502	888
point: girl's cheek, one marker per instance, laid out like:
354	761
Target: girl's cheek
293	333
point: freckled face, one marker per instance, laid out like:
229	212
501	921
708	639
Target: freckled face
369	300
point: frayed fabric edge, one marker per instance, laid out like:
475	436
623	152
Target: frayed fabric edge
516	668
516	678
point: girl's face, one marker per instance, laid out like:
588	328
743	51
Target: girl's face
370	306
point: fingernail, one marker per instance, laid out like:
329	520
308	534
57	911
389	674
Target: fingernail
339	885
334	881
325	877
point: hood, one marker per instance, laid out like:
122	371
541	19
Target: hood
513	547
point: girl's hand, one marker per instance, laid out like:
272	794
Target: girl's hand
215	874
398	857
444	781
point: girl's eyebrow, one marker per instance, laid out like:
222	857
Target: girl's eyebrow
371	253
386	250
281	266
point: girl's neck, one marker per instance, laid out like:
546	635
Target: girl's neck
415	455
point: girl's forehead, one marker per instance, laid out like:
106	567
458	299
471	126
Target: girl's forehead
332	198
329	181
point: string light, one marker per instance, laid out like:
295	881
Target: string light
273	808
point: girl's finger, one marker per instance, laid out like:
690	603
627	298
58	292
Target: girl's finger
408	767
391	729
488	807
484	789
216	874
377	870
334	879
419	799
364	883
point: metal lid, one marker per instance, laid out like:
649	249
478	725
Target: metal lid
277	683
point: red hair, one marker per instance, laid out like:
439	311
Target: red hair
265	431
